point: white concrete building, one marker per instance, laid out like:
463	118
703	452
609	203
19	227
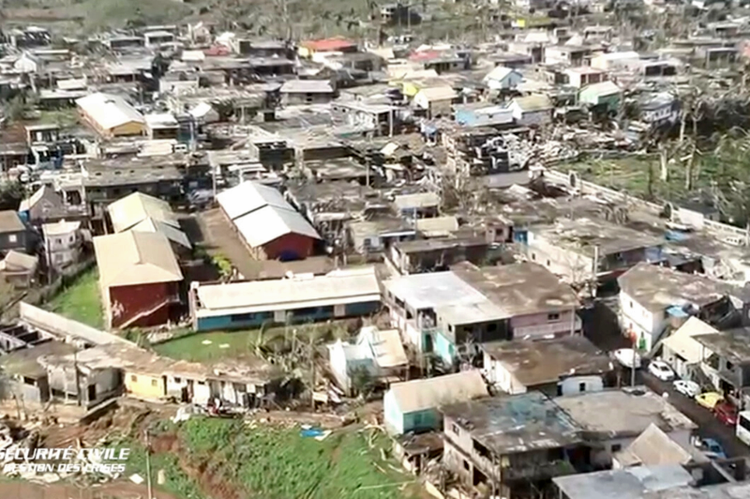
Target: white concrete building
62	243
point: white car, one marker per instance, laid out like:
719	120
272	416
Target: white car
690	389
661	370
628	358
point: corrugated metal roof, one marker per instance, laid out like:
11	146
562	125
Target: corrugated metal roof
336	286
249	196
307	86
270	223
131	210
173	234
109	111
131	258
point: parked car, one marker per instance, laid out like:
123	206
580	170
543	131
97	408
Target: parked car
687	388
710	447
661	370
726	412
628	358
709	399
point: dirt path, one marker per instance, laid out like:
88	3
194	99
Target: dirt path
117	490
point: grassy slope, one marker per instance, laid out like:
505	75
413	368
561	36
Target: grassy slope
277	463
80	300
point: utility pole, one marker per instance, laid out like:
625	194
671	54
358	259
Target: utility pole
148	467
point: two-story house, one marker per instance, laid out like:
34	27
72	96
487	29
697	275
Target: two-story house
538	305
62	243
438	313
725	360
585	248
504	444
450	313
652	295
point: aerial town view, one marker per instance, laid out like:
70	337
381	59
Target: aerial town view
451	249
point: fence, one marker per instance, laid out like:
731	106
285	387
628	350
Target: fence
713	228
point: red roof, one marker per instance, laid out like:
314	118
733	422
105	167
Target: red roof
425	55
328	44
217	50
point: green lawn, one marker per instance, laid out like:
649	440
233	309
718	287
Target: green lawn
218	345
80	300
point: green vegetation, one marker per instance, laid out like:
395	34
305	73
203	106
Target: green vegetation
109	14
217	345
64	118
80	300
177	482
277	463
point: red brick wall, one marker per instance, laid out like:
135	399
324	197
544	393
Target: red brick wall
297	244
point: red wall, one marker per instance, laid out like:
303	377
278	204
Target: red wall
299	244
135	299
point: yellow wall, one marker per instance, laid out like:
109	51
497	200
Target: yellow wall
132	128
144	386
411	89
304	52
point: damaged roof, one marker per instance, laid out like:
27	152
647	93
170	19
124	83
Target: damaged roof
733	344
657	288
535	363
620	413
513	424
431	393
519	288
629	483
584	234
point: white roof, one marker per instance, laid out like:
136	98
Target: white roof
619	56
249	196
435	289
307	86
499	73
602	88
60	228
443	92
109	111
173	234
201	110
385	346
424	394
136	207
416	200
270	223
337	287
161	119
682	343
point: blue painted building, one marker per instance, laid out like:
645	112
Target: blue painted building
483	114
412	406
299	299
